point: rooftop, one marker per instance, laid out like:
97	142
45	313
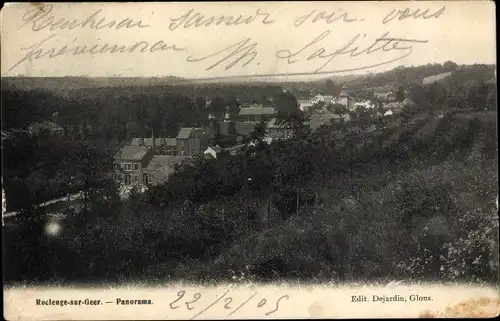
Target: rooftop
158	141
165	162
185	132
322	119
241	128
131	152
257	111
216	149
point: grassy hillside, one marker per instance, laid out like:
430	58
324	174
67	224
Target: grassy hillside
414	199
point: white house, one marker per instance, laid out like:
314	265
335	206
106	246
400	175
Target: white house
322	98
363	104
304	105
343	98
212	151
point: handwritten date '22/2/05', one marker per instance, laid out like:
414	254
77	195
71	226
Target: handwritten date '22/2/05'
227	301
244	52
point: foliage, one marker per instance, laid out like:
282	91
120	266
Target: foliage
408	198
288	112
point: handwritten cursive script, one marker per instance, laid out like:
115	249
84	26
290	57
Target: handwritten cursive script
329	18
244	49
407	13
42	18
197	19
351	48
36	51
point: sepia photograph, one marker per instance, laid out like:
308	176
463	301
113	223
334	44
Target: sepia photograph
360	148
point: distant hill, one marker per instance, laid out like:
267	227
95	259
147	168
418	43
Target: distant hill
397	76
71	83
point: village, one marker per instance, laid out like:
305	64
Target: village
144	162
211	181
148	161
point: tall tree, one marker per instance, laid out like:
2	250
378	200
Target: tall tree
288	113
234	112
332	88
217	107
201	111
259	132
400	94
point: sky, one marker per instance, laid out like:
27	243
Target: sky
297	40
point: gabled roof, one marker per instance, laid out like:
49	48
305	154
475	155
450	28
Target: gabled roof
216	149
241	128
185	132
322	119
325	97
165	163
158	141
256	111
130	152
170	141
234	148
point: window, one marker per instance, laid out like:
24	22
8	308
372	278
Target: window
127	179
136	179
145	180
136	167
127	166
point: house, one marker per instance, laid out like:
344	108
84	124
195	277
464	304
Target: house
240	128
45	128
276	131
133	160
212	151
395	107
384	93
162	146
191	141
326	118
161	167
305	105
362	104
256	113
344	98
323	98
234	150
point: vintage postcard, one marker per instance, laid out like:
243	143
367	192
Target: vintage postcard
262	160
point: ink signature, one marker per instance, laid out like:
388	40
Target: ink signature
351	48
270	307
244	52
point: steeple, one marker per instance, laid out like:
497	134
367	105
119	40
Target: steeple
343	90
